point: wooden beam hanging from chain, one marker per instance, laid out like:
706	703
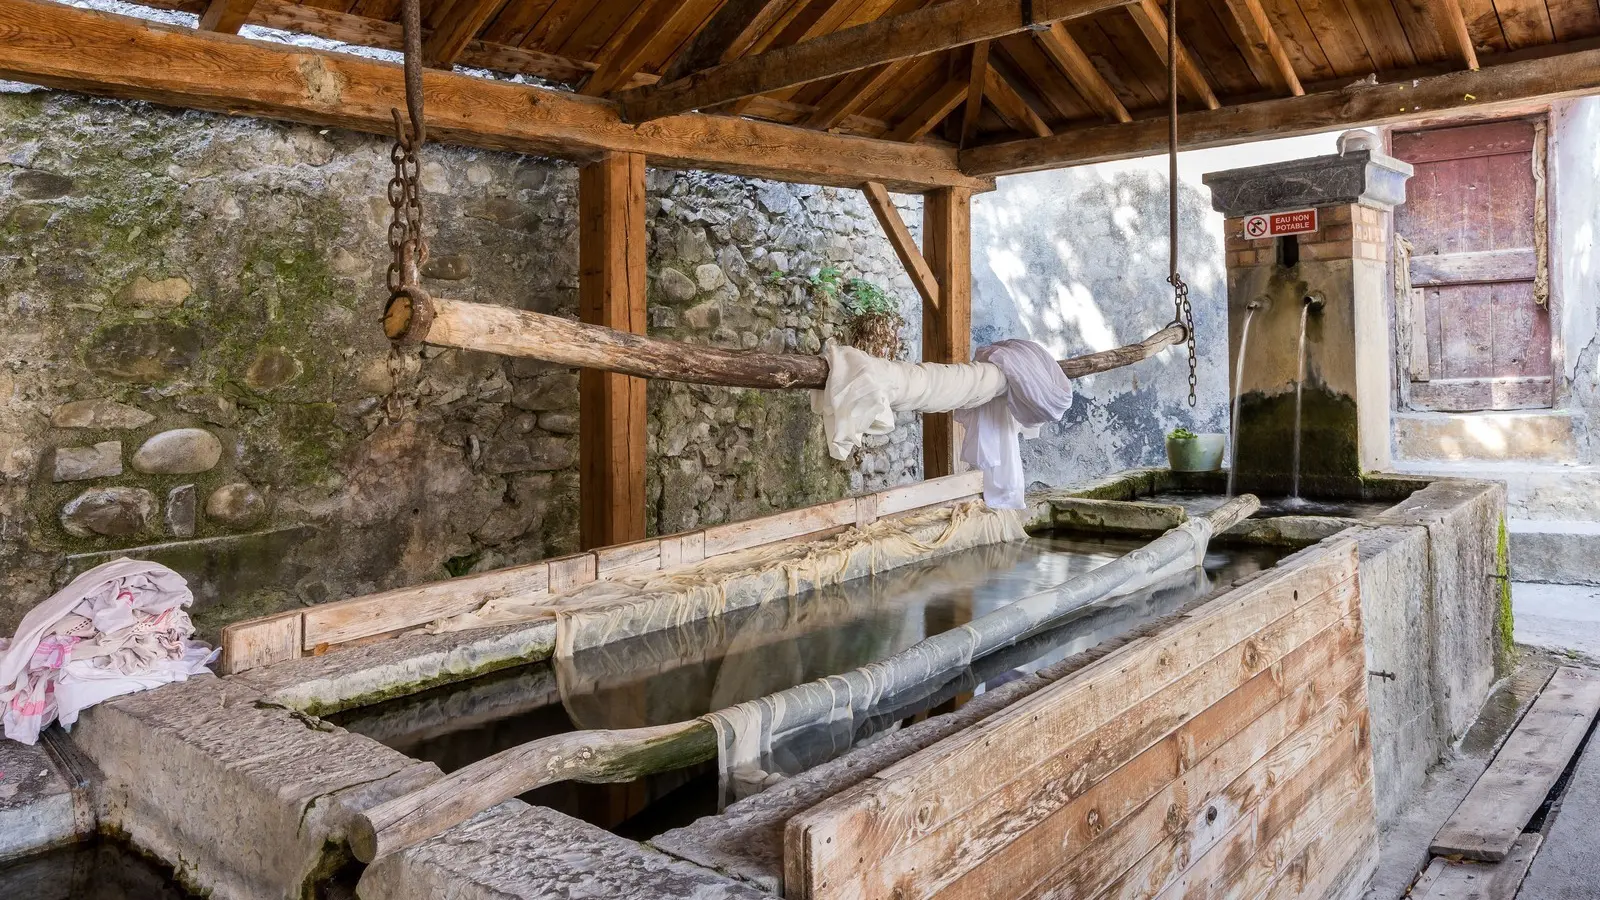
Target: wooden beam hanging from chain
916	33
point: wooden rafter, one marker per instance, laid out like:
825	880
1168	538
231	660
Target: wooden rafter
1262	45
225	16
1452	25
1493	89
733	27
55	45
1012	106
846	97
916	33
1064	51
977	82
905	246
444	45
931	111
621	61
1152	24
809	20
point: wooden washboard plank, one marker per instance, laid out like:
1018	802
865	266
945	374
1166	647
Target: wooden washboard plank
1509	792
1019	804
1457	880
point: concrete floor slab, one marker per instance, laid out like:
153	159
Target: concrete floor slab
1563	618
1568	866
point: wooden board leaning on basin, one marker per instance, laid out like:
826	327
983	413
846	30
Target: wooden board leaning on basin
1227	753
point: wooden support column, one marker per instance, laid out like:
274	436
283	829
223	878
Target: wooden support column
947	325
611	407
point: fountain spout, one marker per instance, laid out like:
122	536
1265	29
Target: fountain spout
1250	310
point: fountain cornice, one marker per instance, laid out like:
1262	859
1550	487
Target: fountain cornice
1356	176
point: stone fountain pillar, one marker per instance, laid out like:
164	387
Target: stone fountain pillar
1343	264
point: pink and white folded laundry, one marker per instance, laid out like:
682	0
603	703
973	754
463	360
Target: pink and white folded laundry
118	628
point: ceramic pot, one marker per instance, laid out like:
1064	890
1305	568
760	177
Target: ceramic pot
1201	453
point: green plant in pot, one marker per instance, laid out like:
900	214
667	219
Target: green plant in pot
1191	452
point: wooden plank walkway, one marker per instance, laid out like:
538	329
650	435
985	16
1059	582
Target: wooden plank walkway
1491	817
1448	879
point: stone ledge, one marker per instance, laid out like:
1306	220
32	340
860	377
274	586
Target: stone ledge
37	808
1359	176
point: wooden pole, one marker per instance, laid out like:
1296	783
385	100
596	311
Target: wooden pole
947	324
531	335
611	406
624	755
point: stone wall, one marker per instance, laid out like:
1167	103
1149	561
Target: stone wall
193	370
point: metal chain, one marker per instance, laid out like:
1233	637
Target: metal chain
1182	311
407	246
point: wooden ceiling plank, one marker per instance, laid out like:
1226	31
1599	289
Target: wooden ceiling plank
1381	32
1339	38
619	64
1526	22
1024	63
847	96
1489	90
1065	52
1572	19
1299	41
225	16
515	20
1483	23
64	47
443	46
922	31
1152	23
1427	44
1453	29
735	24
905	246
930	112
977	80
1012	106
811	20
1263	43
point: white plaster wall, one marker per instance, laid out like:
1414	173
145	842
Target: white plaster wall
1077	260
1575	257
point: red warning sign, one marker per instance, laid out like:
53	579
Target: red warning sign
1295	221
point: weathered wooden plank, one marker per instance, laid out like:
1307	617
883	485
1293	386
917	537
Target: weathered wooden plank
947	325
905	246
1474	394
1492	88
76	49
720	539
930	492
225	16
1065	52
572	572
612	285
915	33
1152	24
442	47
1459	880
639	556
658	22
1508	793
347	620
270	639
1452	25
937	787
1261	42
1474	266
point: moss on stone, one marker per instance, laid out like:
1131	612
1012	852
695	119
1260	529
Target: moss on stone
1504	623
1328	443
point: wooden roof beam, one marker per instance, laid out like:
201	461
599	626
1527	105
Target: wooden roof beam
1152	23
60	46
622	62
1012	106
1262	44
846	97
916	33
931	111
1452	25
1490	90
905	246
977	81
444	44
226	16
732	28
1059	45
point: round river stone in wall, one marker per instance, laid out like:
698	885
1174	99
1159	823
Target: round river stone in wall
237	504
114	512
181	451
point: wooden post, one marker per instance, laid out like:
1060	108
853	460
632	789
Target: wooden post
611	407
947	326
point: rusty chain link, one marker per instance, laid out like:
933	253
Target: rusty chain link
407	246
1182	311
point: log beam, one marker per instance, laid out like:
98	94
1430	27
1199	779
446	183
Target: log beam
1065	52
611	407
905	247
59	46
916	33
1497	88
947	324
531	335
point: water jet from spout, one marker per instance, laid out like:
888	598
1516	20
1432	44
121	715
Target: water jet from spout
1238	391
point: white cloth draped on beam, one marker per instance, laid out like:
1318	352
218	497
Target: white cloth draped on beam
1012	388
118	628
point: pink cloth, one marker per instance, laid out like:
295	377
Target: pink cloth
117	628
